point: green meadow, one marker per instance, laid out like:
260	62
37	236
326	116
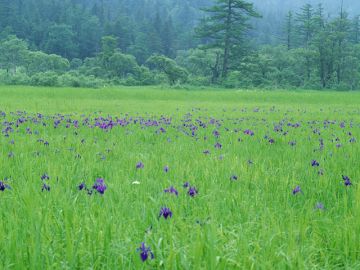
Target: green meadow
270	169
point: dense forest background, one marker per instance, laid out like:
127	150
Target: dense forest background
286	44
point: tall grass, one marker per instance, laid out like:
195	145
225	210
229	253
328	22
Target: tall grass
254	222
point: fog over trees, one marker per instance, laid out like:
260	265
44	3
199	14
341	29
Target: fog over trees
289	43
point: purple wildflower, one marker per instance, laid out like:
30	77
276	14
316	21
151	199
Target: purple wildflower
4	186
186	185
292	143
218	145
271	141
100	186
314	163
352	140
166	168
347	180
171	190
45	187
145	252
319	206
216	133
192	192
82	186
249	132
234	177
297	190
140	165
165	212
45	177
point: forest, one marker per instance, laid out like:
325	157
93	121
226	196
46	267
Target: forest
226	43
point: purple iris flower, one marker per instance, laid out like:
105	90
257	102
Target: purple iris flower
292	143
271	141
4	186
234	177
297	190
140	165
319	206
171	190
45	187
145	252
314	163
218	145
192	191
100	186
82	186
352	140
166	169
186	185
249	132
216	133
165	212
45	177
347	180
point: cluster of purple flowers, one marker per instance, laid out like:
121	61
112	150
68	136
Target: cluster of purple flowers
171	190
216	132
192	191
45	187
99	186
249	132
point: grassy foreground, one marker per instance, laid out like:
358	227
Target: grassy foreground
276	174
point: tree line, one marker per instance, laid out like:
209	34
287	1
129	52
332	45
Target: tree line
99	42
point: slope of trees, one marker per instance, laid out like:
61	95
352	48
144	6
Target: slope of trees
200	42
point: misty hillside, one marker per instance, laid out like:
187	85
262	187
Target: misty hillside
282	6
273	43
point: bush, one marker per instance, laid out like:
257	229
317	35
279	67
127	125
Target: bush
48	78
18	78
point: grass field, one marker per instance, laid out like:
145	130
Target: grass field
273	179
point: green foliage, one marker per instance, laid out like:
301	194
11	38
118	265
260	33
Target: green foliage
225	27
94	39
61	41
121	65
12	53
169	67
42	62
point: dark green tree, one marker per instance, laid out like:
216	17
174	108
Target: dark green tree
289	30
13	53
169	67
225	27
61	41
